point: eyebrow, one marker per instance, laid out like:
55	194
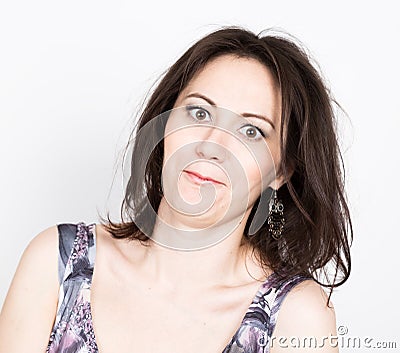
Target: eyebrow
244	115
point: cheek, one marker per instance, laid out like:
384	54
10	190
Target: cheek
176	141
253	171
259	168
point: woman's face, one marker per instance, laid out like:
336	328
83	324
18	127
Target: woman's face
222	141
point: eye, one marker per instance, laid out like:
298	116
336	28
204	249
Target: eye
198	113
252	132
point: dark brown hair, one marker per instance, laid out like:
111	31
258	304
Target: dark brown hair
318	230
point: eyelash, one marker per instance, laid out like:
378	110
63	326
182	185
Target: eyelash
257	128
191	108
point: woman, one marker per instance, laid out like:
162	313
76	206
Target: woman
234	209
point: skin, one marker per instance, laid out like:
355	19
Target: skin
226	144
236	85
240	86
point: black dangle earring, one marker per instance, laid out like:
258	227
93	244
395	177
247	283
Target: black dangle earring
276	220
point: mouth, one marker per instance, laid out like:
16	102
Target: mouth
199	179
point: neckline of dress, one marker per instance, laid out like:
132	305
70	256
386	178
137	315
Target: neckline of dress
261	289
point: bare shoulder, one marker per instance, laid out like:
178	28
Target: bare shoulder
308	297
30	306
305	317
42	243
39	260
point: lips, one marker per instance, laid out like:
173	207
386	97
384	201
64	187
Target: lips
201	178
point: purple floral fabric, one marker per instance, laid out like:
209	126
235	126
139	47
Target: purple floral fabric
255	332
73	328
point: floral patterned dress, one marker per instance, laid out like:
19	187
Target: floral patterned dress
73	330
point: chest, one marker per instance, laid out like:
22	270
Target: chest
144	320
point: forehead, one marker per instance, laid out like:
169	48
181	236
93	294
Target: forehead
237	84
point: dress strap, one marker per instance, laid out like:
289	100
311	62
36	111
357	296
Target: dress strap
72	327
77	247
66	237
285	287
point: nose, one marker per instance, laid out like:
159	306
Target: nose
211	147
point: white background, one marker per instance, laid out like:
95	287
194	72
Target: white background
73	72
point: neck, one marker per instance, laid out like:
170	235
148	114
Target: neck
197	258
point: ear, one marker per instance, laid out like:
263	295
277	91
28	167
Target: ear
281	179
277	182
